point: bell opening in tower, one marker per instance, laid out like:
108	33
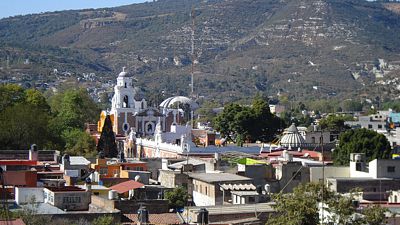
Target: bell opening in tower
126	102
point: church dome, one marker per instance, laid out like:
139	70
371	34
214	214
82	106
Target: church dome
292	138
169	102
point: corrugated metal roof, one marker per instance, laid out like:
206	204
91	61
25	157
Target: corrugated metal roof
238	187
126	186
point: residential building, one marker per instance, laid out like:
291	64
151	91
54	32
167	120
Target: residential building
68	198
215	188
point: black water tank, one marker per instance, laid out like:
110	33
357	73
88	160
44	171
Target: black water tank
143	215
202	217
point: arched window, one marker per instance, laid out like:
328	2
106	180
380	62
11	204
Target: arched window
126	102
125	84
149	128
395	199
142	105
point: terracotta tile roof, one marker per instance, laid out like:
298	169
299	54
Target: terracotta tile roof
126	186
12	222
157	219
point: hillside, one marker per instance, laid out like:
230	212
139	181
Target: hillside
304	49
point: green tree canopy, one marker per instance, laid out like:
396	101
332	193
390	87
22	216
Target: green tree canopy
177	197
335	122
22	125
374	145
252	123
78	142
73	108
301	207
352	106
11	94
27	118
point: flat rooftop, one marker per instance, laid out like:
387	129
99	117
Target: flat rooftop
218	177
236	209
64	189
360	179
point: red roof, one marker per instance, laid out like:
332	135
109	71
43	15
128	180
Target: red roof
126	186
12	222
162	218
311	154
13	162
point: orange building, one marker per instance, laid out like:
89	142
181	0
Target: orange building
113	168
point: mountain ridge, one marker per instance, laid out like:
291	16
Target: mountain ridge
304	49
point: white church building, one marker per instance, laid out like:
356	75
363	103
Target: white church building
129	111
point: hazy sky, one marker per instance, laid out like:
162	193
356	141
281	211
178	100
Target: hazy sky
22	7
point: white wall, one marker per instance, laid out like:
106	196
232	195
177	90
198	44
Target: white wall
355	173
202	200
330	172
24	195
378	168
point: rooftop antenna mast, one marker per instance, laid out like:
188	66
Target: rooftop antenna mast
192	53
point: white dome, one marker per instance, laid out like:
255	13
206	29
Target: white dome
123	73
292	138
167	103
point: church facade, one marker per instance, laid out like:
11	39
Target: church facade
130	112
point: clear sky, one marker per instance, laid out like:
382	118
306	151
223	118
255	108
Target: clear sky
22	7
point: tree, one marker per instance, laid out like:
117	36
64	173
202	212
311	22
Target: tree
36	98
11	94
206	112
301	207
22	125
104	220
335	122
107	145
73	108
177	198
352	106
78	142
374	145
248	123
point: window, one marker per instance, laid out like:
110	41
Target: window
206	191
369	126
379	126
149	128
252	199
103	170
71	199
296	176
391	169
